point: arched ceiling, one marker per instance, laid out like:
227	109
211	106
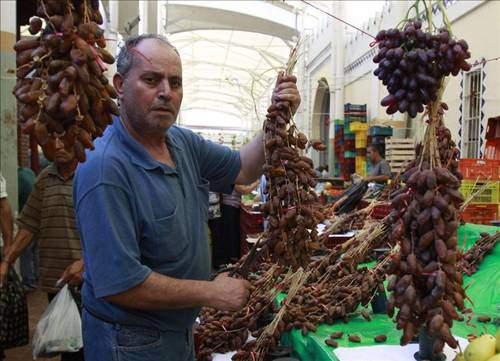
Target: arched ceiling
231	52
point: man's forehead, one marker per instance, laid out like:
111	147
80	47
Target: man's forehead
157	55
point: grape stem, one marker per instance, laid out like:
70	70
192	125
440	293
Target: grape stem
428	10
446	21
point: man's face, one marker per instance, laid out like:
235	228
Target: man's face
370	154
63	155
151	92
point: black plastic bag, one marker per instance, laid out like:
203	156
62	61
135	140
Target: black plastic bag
14	323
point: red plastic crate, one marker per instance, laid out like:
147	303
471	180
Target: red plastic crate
380	211
480	213
473	168
492	149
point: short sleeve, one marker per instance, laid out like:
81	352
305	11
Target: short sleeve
220	165
385	168
31	214
109	235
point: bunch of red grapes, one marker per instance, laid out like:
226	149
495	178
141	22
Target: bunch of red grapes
412	63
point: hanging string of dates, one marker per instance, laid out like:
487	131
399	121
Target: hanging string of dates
61	83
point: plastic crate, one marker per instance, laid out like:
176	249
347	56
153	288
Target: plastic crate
480	213
380	131
358	127
361	169
380	211
492	149
378	140
350	144
473	168
354	107
349	154
488	195
351	135
361	165
360	158
361	151
361	140
339	122
354	117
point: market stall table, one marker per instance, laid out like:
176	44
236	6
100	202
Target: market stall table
483	289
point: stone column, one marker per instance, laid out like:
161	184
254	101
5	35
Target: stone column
337	86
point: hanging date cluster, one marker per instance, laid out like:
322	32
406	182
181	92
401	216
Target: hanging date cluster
425	282
290	177
61	84
412	62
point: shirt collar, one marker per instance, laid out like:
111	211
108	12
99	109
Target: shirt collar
138	153
52	170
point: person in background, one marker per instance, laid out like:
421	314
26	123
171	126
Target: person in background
141	201
318	170
29	258
324	172
381	170
215	226
226	248
6	226
49	217
261	189
6	219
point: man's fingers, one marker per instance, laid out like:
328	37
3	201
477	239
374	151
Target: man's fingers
289	78
286	85
288	97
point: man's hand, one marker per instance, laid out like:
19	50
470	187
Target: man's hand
4	270
73	275
287	91
228	294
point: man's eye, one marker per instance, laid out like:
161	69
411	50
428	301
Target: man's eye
149	80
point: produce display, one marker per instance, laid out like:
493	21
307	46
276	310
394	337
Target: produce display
222	331
484	348
350	198
61	84
62	89
328	289
412	62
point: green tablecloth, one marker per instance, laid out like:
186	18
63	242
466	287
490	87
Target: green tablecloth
484	290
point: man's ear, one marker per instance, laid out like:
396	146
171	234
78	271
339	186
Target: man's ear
118	81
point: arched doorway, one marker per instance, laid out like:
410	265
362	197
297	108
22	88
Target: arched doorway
321	120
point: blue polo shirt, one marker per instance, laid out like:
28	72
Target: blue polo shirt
137	215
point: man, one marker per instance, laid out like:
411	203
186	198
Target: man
6	220
29	258
141	201
381	170
226	244
48	216
6	226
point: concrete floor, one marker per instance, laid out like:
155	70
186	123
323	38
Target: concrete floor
37	302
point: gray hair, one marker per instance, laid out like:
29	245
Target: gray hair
125	58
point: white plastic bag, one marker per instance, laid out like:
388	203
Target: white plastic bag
60	327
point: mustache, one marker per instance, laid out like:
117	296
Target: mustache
163	107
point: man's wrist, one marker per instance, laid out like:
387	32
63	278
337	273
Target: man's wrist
8	258
206	293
